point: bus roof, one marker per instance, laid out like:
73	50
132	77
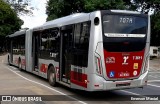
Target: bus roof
74	18
126	11
17	33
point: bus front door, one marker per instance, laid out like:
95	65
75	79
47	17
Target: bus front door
65	55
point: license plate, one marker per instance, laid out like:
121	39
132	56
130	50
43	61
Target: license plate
123	84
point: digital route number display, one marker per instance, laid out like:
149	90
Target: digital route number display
126	20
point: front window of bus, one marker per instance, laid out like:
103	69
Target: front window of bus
123	33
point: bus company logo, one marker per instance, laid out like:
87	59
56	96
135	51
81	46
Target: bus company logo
110	60
125	58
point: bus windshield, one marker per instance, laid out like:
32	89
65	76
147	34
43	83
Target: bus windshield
123	33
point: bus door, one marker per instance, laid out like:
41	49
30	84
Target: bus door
65	53
35	46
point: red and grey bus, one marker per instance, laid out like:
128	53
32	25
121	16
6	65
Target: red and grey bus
101	50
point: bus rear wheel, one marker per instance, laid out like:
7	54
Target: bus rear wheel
52	76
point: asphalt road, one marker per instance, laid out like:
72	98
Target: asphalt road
15	82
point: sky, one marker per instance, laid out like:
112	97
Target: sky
39	14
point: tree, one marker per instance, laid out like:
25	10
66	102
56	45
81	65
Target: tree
154	5
91	5
20	6
54	9
155	29
9	22
59	8
146	6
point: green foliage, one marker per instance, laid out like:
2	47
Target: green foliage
9	22
59	8
155	29
156	22
54	9
20	6
91	5
146	5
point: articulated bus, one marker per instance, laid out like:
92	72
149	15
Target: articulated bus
101	50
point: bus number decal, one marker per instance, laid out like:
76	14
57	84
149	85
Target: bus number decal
137	57
126	20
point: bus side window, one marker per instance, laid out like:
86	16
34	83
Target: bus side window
15	41
22	45
55	38
49	43
44	45
81	44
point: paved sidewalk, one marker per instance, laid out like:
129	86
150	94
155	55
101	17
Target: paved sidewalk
154	65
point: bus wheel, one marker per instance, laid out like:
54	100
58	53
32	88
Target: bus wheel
52	76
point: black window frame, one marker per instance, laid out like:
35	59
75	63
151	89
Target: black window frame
47	53
20	44
118	46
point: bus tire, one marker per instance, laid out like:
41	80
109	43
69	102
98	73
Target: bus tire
19	64
52	76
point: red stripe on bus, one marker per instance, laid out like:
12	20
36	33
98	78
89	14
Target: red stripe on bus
43	68
79	79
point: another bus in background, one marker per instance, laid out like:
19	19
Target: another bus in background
153	52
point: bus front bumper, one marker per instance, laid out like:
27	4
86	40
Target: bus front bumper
139	82
123	84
